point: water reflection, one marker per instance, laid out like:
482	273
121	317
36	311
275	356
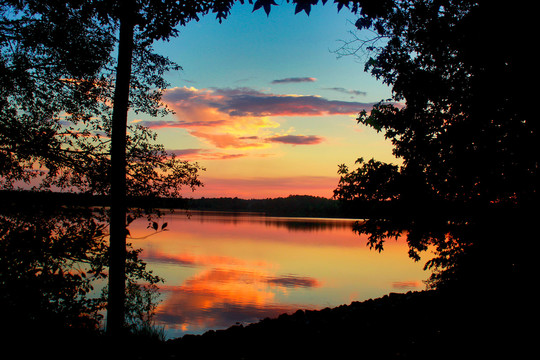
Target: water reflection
222	269
292	224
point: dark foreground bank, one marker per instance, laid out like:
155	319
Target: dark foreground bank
416	325
420	325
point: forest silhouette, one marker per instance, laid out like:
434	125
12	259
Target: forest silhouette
460	119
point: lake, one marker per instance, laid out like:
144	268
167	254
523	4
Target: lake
221	269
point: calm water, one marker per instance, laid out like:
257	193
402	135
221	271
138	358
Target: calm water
221	269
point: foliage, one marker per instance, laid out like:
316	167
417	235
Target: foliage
463	126
459	124
368	8
50	64
56	110
55	104
371	181
50	262
53	263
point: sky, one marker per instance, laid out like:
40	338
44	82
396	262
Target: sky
265	104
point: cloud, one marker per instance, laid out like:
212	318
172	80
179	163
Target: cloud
347	91
297	139
157	124
266	104
294	80
205	154
240	102
228	140
244	118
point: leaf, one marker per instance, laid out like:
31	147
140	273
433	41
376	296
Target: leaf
155	225
266	4
164	226
303	7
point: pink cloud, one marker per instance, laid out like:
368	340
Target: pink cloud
156	124
209	154
241	118
205	154
251	102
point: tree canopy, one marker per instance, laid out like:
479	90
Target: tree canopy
459	123
463	124
56	93
457	119
57	109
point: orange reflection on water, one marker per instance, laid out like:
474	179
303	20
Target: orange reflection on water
223	269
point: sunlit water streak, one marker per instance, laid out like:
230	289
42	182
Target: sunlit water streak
221	269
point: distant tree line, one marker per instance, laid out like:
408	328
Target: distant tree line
293	205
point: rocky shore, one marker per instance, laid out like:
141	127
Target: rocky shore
415	325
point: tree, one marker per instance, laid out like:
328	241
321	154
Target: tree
56	95
459	124
154	20
53	258
83	93
371	181
55	107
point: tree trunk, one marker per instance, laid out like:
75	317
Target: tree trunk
117	251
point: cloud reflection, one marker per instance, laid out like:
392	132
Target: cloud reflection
220	269
219	297
294	281
190	260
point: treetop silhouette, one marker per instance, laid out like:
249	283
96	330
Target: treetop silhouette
469	179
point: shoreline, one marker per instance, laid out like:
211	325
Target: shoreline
427	324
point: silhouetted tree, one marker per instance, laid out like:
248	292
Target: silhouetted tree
60	82
57	99
53	261
150	20
147	21
56	95
460	125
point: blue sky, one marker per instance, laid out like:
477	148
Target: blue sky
266	105
253	49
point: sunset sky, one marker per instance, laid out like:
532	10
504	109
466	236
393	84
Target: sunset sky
265	105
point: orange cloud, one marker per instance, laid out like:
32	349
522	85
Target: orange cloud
241	118
205	154
227	140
